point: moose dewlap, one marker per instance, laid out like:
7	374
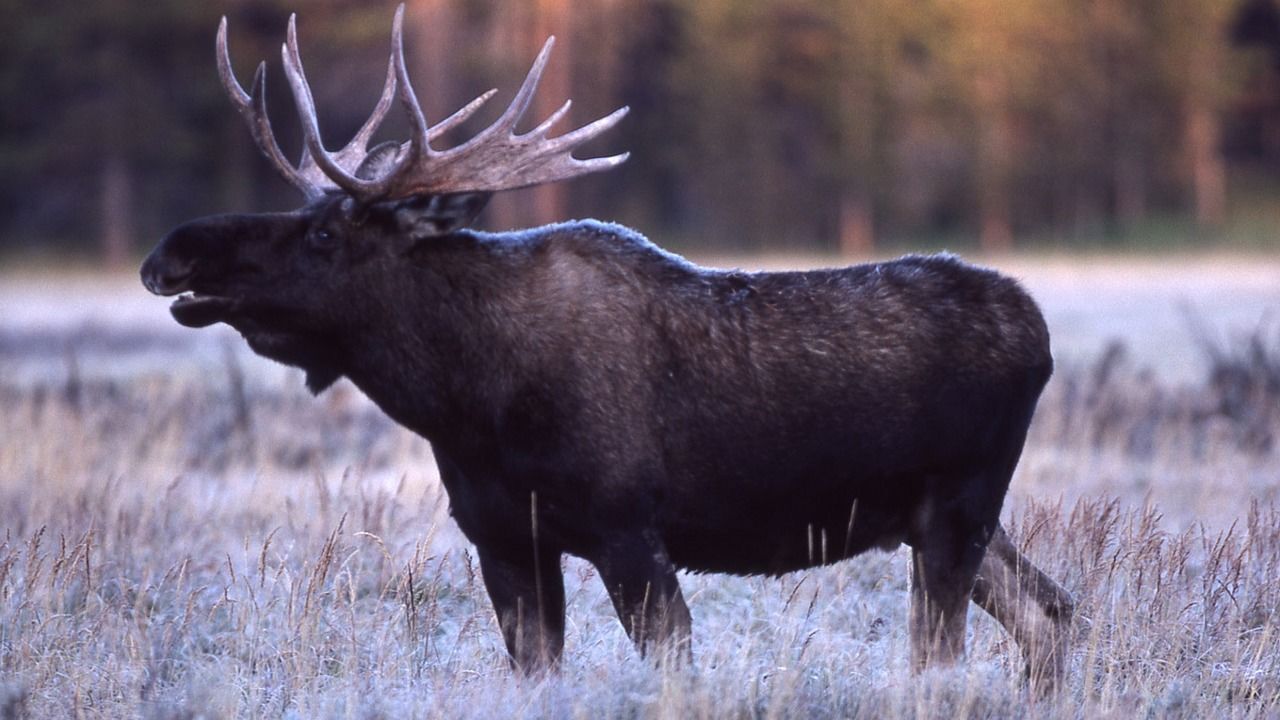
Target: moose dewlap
586	392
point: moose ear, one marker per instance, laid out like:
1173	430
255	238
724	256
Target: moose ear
379	161
431	216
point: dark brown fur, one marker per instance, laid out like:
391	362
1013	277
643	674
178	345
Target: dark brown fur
588	393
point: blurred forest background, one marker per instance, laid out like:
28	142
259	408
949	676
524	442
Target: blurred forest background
845	127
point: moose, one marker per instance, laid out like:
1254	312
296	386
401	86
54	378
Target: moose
586	392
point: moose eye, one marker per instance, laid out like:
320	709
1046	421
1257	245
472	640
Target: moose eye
321	239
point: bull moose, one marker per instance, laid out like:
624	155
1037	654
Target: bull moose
586	392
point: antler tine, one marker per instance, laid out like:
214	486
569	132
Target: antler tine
419	141
418	150
227	75
260	126
562	167
574	138
311	125
524	97
515	110
460	116
552	119
356	149
548	160
252	106
340	167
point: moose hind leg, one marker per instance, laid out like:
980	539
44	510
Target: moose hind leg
944	562
1033	608
528	597
641	581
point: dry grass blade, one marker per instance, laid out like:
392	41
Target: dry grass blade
147	567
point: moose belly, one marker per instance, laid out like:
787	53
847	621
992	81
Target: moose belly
779	524
783	539
779	486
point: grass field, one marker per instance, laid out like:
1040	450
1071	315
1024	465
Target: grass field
185	533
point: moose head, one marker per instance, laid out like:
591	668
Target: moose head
292	282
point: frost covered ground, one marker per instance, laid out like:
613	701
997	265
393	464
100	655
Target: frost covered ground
184	532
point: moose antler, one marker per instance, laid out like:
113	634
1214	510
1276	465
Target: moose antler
307	176
496	158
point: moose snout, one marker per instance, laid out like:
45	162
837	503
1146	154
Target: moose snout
164	274
191	253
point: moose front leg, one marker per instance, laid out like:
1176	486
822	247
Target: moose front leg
939	601
641	581
528	597
944	564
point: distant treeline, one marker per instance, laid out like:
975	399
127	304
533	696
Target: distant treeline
756	124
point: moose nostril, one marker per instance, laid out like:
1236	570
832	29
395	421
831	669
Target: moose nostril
164	276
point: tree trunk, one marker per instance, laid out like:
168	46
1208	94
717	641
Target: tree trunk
857	226
438	31
506	36
995	233
995	227
520	30
1208	170
1130	187
553	18
1203	129
116	212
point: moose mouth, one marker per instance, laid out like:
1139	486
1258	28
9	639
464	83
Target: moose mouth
196	311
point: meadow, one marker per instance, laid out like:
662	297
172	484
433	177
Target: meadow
186	533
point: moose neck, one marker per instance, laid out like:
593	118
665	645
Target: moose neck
430	343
